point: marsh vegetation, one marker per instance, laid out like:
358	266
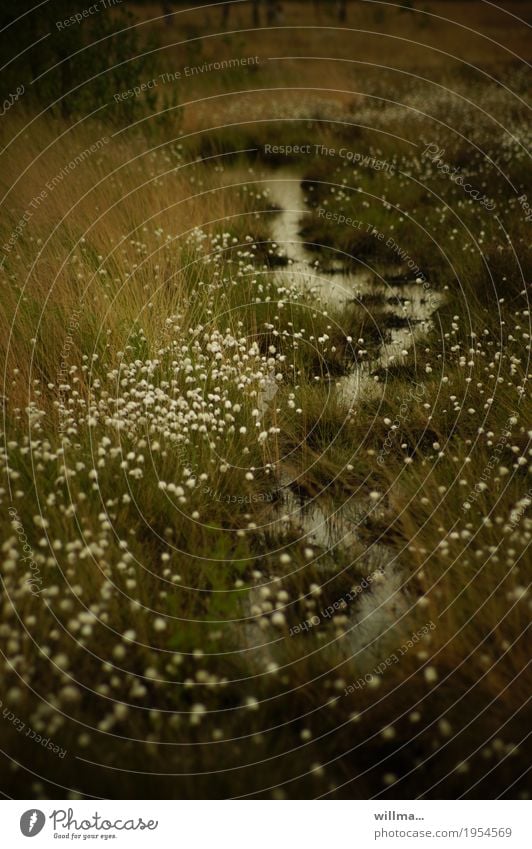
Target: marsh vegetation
266	496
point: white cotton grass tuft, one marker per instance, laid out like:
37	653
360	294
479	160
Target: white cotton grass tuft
431	674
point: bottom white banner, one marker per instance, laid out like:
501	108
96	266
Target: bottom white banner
236	824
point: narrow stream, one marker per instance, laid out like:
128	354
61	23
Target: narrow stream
336	286
407	300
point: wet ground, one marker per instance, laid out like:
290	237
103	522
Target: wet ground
332	280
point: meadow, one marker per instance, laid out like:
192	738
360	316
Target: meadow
266	468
